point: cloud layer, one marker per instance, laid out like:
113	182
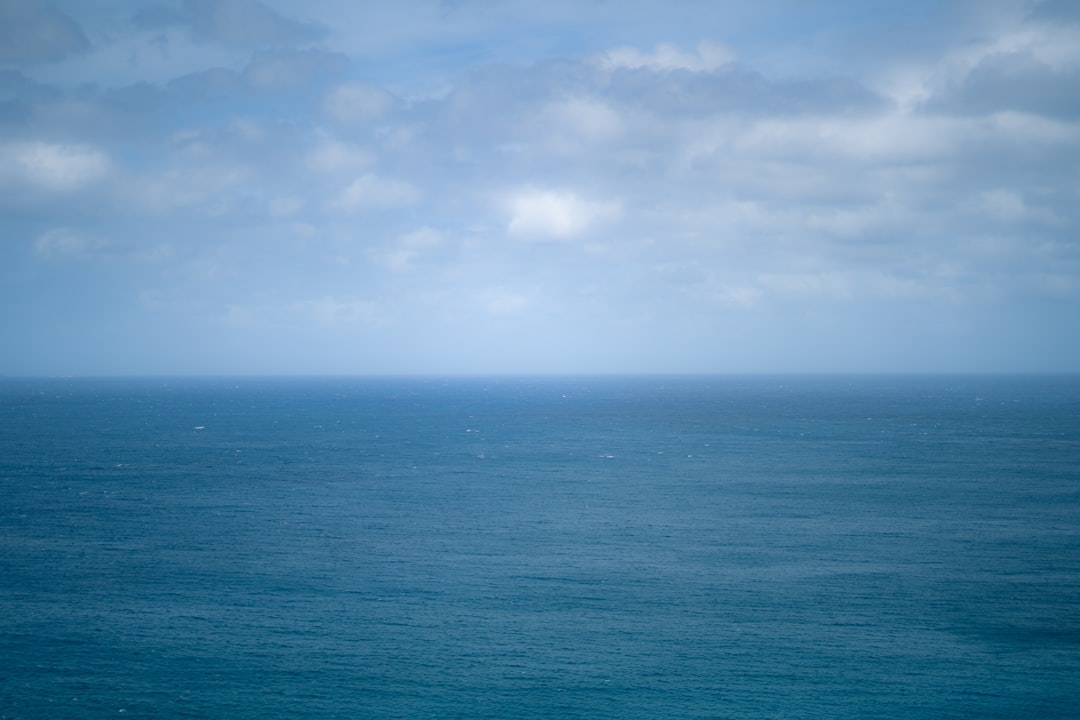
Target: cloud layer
236	186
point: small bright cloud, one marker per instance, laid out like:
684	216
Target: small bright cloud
410	248
60	244
577	121
503	303
284	206
53	166
666	57
357	103
329	311
332	157
370	192
557	215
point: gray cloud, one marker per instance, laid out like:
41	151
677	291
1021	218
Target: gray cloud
32	31
275	71
1014	81
246	24
1056	11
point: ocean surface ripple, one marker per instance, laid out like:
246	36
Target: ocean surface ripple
684	547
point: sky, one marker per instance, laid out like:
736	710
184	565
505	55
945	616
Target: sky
268	187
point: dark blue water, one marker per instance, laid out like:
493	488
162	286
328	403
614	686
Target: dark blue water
841	547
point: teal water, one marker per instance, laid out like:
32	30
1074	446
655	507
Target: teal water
708	547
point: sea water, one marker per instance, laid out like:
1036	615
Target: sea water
700	547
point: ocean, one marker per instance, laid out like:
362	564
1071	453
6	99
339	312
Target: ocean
541	547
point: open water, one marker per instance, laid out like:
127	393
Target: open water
705	547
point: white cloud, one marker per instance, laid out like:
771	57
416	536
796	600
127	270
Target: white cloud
283	206
236	315
885	138
52	166
332	157
410	248
587	117
501	302
834	286
60	244
1054	44
1032	131
1060	285
559	215
1008	206
710	56
212	189
728	294
576	126
357	103
370	192
329	311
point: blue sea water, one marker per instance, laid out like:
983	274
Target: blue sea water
698	547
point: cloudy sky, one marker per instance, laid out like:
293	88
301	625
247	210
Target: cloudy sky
516	186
